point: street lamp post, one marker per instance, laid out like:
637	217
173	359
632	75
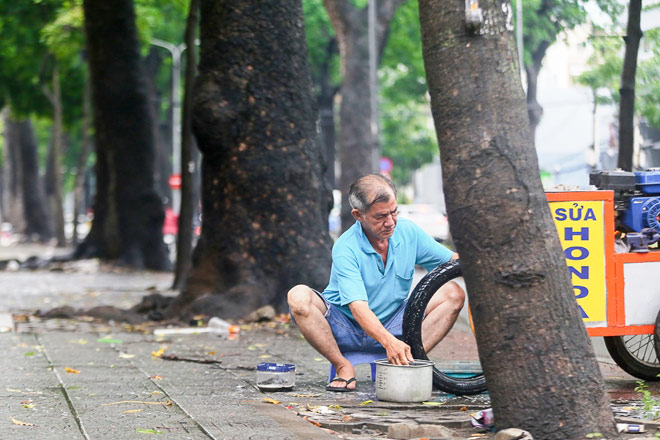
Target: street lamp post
176	51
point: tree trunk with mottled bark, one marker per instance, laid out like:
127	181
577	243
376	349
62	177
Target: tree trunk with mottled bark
627	90
37	222
359	148
534	109
54	160
12	185
184	239
264	224
540	368
128	211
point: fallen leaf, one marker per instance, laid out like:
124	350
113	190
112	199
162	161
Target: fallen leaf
335	407
366	402
211	353
71	370
433	403
79	341
265	356
319	359
346	418
28	405
121	402
30	353
156	392
158	353
148	431
30	393
156	377
126	356
270	400
312	422
109	341
18	422
463	408
129	411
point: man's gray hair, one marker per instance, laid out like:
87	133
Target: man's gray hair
370	189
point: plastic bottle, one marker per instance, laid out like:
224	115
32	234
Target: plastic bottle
220	326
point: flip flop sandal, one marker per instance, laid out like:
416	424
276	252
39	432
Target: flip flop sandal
342	389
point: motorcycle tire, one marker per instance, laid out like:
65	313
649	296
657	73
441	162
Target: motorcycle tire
412	329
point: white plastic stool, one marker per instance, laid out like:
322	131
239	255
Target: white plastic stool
360	357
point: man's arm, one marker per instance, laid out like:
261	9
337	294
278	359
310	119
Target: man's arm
398	352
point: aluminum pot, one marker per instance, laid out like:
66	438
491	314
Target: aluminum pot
404	383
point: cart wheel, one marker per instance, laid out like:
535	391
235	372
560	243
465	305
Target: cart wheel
635	354
412	329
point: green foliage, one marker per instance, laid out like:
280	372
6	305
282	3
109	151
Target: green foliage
408	137
605	74
650	404
320	35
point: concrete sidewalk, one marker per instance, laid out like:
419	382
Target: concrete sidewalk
65	379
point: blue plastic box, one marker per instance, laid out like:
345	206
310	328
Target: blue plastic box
648	182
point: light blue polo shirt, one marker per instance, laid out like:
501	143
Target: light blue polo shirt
358	274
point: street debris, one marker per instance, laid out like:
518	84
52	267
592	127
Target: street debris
18	422
172	357
71	370
483	419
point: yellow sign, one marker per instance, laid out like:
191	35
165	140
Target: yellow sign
581	231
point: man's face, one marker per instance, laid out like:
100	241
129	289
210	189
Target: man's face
380	220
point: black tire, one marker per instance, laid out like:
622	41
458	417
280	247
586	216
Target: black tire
412	329
635	354
656	336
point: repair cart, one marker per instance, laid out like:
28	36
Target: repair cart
610	241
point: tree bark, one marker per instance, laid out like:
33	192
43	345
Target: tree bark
627	90
37	225
534	109
264	225
81	166
358	149
540	368
12	174
162	146
188	165
128	212
54	160
325	100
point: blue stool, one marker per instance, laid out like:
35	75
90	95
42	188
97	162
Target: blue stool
360	357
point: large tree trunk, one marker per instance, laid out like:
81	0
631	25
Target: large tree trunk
54	160
24	193
540	368
264	218
37	223
162	146
188	164
81	167
128	212
12	191
627	90
358	145
325	101
534	109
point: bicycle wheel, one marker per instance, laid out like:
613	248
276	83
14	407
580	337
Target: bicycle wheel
412	329
635	354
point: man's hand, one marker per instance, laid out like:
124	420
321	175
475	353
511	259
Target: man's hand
398	352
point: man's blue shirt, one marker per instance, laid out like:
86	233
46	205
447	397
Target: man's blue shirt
358	274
